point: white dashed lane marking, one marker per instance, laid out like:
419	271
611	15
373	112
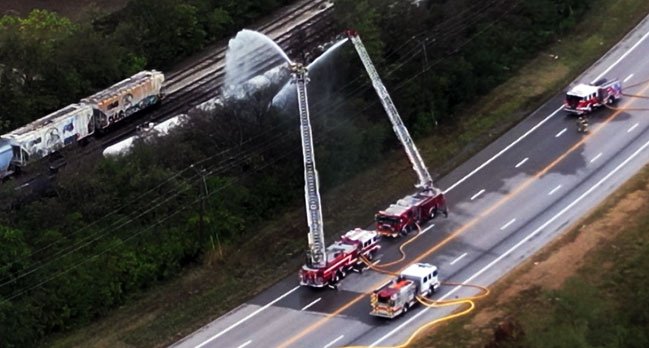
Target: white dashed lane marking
507	224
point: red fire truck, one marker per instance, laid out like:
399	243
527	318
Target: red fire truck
409	212
342	257
584	98
415	209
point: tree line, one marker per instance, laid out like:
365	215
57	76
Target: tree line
48	61
112	227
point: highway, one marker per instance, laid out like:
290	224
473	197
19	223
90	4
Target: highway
505	203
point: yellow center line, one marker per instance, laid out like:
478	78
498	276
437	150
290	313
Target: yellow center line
463	228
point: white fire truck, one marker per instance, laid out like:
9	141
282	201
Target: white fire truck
584	98
400	294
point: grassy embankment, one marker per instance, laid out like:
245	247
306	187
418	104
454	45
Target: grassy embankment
176	308
588	288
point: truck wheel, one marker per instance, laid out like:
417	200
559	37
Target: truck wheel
405	308
433	213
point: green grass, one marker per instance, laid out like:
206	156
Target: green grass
174	309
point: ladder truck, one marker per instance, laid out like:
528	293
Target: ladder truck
428	201
324	266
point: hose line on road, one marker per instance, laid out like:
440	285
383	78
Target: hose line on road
430	303
401	251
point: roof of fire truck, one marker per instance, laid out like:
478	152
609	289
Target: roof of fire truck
359	234
394	287
334	250
583	90
418	270
394	210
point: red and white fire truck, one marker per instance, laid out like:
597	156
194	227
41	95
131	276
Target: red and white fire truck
410	211
324	266
342	257
400	294
584	98
415	209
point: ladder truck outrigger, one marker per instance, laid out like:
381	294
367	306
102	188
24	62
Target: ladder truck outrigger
324	266
412	210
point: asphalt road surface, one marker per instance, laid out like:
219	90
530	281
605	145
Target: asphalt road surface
505	203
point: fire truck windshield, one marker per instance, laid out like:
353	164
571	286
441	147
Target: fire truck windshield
388	220
386	300
573	99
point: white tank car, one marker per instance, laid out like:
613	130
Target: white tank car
50	133
126	97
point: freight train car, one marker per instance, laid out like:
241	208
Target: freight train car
6	154
79	121
126	98
50	133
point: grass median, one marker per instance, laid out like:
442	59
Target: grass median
174	309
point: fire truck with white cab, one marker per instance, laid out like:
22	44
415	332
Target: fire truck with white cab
342	257
324	266
584	98
400	294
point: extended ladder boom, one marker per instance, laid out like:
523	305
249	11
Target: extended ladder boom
317	256
425	180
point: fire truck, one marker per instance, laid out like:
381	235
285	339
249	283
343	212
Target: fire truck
324	266
584	98
420	207
400	294
342	258
410	211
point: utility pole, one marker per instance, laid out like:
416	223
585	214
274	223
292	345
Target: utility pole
204	194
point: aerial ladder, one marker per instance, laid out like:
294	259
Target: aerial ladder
425	180
316	254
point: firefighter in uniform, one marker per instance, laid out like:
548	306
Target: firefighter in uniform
582	124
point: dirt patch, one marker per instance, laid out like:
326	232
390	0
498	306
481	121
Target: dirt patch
566	257
74	9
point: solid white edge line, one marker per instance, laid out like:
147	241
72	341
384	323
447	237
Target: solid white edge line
508	224
561	132
632	128
554	190
334	341
503	150
311	304
517	245
596	157
247	317
521	162
627	78
457	259
477	194
622	57
245	344
461	180
426	229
